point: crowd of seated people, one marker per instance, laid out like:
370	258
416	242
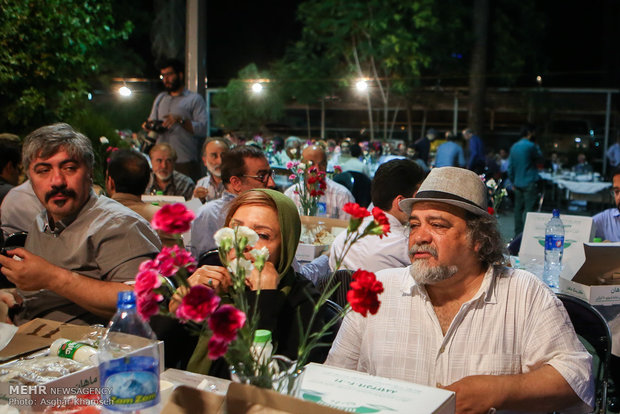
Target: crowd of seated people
452	314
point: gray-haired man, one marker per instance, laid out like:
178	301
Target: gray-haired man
456	318
82	248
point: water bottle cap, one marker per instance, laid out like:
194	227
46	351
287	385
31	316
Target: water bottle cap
262	335
126	299
556	212
159	192
597	240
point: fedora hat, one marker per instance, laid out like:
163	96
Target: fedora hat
451	185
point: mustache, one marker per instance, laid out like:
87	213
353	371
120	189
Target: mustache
422	248
59	190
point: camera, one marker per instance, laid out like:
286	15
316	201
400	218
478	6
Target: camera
156	126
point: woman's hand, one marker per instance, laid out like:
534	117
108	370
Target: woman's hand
214	277
268	278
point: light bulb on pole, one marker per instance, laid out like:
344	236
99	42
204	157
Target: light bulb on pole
124	91
257	87
361	85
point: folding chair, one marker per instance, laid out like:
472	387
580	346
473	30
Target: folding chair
592	328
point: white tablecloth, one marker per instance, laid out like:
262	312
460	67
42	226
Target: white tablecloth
580	187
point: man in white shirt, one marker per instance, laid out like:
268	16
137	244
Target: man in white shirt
211	187
497	337
336	195
393	182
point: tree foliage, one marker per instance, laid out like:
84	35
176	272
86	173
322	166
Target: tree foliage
242	110
50	50
380	40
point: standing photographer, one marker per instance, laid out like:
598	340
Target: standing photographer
179	118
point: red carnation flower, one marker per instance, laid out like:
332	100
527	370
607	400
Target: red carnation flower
337	169
491	210
226	321
382	220
173	218
355	210
198	304
364	292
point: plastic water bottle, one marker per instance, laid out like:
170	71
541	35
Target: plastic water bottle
131	383
554	248
262	347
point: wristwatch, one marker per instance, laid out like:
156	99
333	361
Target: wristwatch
181	121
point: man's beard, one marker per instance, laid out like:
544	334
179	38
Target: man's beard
163	176
174	85
215	171
424	274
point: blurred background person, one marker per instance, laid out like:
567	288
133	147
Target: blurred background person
10	165
164	177
476	154
523	174
582	166
450	153
210	186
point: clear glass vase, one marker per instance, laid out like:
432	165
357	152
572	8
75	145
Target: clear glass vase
280	374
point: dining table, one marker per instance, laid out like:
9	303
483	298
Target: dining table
578	187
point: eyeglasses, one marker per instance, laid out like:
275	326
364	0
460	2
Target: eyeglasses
263	177
615	192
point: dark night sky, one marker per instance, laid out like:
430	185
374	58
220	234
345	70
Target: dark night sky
241	32
579	41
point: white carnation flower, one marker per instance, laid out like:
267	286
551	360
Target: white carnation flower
260	254
225	233
248	233
236	264
104	140
491	183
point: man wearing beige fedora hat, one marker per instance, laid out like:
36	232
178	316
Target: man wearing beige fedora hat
457	318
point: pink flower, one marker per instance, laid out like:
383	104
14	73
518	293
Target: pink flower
217	347
337	169
183	258
198	304
289	165
148	265
292	177
166	266
226	321
146	281
172	258
148	304
173	219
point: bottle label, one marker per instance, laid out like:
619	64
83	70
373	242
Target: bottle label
69	348
132	382
554	242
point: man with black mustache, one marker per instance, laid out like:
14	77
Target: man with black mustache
83	248
458	319
184	118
